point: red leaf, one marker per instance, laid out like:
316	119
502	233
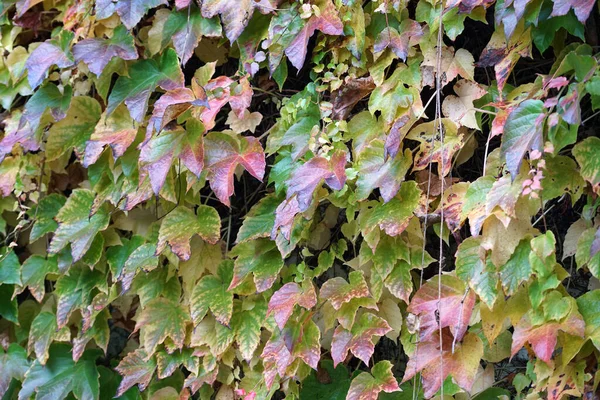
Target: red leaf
305	179
284	217
345	98
327	22
284	300
224	152
456	304
359	340
543	337
220	93
461	360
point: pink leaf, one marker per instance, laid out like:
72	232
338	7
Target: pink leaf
284	300
224	152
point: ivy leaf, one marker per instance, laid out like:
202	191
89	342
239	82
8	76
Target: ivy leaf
455	306
391	217
117	130
376	172
543	337
10	268
585	152
42	332
181	224
460	108
473	266
432	150
136	368
161	319
326	20
130	11
223	90
305	179
186	28
522	133
259	257
54	51
359	340
33	274
235	14
96	53
61	376
588	307
338	291
247	321
368	386
582	8
224	152
144	76
75	225
284	300
211	293
26	134
302	341
143	258
460	360
13	365
76	291
459	63
174	103
399	41
517	269
326	383
75	129
259	222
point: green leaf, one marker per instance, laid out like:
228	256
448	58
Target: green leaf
144	76
181	224
10	268
586	153
517	269
473	266
259	222
259	257
159	319
75	225
522	133
143	258
8	305
329	383
34	271
13	365
44	214
393	216
211	293
589	307
73	131
246	322
116	256
61	376
76	290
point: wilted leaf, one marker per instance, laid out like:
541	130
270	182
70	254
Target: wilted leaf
460	108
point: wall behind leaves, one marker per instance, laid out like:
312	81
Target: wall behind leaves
334	199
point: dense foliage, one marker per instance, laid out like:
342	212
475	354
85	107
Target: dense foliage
322	199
